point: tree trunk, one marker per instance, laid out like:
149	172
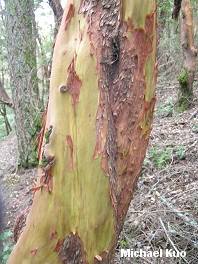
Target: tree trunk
186	78
176	9
57	10
21	45
98	121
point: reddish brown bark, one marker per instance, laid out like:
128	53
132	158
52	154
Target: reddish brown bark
121	87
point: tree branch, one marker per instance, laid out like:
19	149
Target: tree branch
57	10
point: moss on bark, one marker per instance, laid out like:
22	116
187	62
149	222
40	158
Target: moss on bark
185	95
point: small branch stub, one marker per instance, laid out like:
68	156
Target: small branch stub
63	89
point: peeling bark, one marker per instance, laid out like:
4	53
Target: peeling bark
101	103
71	250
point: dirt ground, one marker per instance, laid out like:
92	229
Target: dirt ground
164	211
15	187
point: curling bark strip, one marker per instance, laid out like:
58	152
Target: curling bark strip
70	14
101	101
73	83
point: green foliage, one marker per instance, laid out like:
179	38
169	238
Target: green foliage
180	151
36	127
183	78
195	128
185	94
166	7
37	123
47	134
7	247
167	108
160	156
43	162
37	3
10	116
182	104
123	242
32	131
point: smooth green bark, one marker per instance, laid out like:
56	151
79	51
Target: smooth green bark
98	121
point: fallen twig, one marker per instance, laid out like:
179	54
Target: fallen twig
187	220
175	233
193	114
173	245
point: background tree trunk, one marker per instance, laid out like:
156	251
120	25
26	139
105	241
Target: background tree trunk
3	112
176	9
58	12
21	46
4	98
98	121
186	78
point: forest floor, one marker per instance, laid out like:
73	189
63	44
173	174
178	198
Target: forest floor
164	212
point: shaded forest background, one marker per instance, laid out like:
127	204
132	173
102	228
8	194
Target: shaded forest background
164	212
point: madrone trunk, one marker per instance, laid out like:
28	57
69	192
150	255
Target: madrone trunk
186	78
95	134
